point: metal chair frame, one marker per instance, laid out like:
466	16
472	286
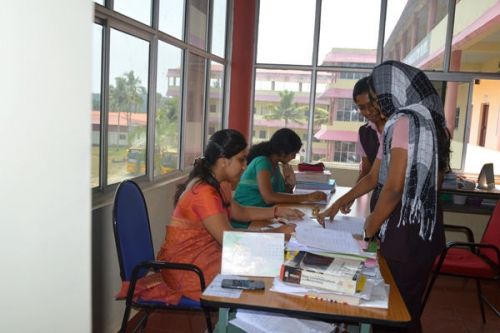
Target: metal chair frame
142	268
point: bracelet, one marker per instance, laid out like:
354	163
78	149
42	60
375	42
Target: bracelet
275	212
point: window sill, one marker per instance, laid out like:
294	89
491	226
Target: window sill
105	198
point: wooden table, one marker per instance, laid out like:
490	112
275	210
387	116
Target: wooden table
395	315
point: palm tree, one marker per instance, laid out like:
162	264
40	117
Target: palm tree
126	96
287	109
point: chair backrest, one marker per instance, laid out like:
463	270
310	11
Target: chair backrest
491	234
131	228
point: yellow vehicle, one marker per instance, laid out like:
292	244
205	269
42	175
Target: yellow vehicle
136	161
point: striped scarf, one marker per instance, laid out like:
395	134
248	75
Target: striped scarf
403	90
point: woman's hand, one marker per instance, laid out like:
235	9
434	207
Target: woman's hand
287	229
316	196
289	213
328	212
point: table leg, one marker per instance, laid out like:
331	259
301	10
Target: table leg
223	322
365	328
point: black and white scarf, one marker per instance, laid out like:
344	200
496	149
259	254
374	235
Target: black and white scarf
405	90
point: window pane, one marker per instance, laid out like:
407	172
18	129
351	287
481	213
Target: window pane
215	98
277	108
415	32
171	18
219	27
198	10
286	29
101	2
353	46
96	101
336	122
476	36
168	109
194	109
127	107
484	136
139	10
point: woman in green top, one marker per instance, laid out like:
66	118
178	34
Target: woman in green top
262	183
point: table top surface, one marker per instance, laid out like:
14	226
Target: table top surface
395	315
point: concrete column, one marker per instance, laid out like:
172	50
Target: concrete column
450	104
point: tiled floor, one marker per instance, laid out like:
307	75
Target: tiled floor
452	307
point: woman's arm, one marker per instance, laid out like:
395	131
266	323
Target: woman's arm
270	197
391	193
250	213
217	224
365	185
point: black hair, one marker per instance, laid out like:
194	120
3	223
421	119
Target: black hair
361	87
224	143
283	141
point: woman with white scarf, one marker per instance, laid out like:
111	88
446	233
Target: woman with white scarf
405	177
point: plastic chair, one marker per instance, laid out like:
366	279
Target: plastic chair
134	246
479	261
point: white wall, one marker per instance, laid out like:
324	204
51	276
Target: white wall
45	166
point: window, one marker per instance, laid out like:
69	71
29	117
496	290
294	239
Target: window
127	107
415	33
139	10
345	152
168	109
262	134
171	18
215	96
282	36
284	107
140	116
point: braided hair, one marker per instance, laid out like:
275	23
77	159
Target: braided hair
224	143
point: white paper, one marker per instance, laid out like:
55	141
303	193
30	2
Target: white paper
259	321
252	253
215	289
351	224
327	240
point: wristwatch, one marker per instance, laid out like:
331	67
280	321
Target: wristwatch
366	238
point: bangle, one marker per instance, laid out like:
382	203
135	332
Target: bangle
275	212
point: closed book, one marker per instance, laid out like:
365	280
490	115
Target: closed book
330	185
323	295
312	176
335	274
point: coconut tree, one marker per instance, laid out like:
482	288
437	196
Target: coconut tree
287	109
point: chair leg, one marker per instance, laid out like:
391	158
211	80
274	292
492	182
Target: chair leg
123	329
208	320
480	297
491	305
428	290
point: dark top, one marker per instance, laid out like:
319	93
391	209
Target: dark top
403	243
368	138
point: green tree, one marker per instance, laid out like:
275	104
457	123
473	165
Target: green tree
287	109
127	95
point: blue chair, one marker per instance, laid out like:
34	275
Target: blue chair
135	251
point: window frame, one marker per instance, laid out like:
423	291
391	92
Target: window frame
107	18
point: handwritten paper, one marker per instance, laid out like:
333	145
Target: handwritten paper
252	253
327	240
